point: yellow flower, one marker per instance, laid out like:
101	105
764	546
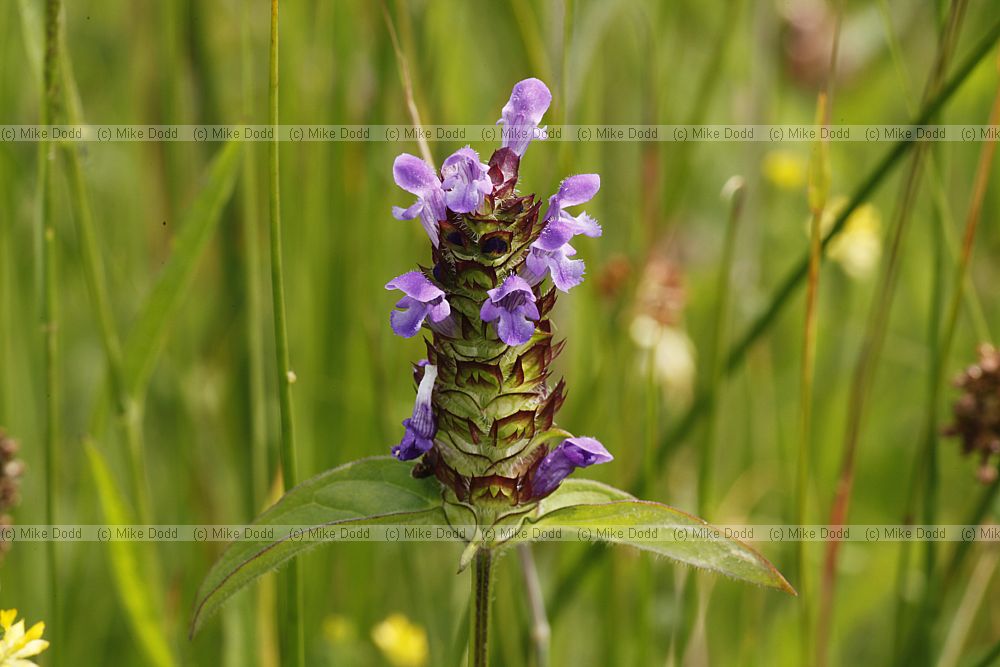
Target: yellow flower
858	247
403	643
785	169
17	644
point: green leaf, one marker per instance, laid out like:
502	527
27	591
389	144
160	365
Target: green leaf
580	492
608	519
197	228
130	571
371	491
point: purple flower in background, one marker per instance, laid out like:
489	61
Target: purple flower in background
551	251
572	453
513	306
423	299
466	180
529	100
417	177
420	428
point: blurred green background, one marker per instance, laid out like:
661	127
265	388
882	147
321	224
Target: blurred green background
638	329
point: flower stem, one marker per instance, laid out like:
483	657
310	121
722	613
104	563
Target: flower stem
292	650
482	582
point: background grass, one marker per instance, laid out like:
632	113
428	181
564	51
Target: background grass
625	61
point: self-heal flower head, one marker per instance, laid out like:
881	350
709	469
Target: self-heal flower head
17	645
529	100
417	177
420	428
551	252
513	307
423	300
466	180
572	453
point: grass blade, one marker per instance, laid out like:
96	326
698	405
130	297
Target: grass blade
149	332
130	571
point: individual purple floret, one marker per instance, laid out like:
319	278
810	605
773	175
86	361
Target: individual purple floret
417	177
423	300
466	180
513	306
572	453
561	226
420	428
551	252
529	100
566	273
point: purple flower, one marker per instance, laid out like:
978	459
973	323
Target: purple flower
551	252
420	428
513	305
572	453
566	273
561	226
423	299
528	102
417	177
466	180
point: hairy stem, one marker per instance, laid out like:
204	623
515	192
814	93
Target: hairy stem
292	653
482	583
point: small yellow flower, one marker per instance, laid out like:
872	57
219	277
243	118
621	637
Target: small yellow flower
858	247
785	169
403	643
17	644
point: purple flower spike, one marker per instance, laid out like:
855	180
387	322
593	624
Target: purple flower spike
528	102
420	428
572	453
466	180
513	305
423	299
417	177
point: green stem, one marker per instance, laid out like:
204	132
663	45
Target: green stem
49	309
128	410
482	583
292	654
